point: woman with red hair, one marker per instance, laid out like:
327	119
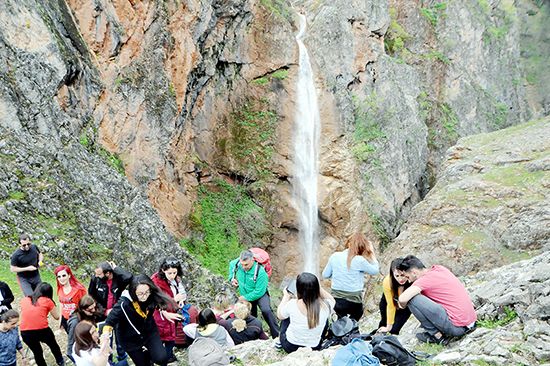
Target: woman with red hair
69	293
347	271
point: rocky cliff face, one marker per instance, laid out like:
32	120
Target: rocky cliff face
57	182
176	93
490	203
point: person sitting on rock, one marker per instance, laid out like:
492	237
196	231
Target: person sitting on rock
244	327
252	283
207	327
222	306
304	320
393	318
347	271
438	300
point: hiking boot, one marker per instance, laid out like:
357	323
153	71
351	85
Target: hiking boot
426	337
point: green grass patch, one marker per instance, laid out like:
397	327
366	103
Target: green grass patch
251	138
17	195
280	74
378	227
223	214
113	159
261	81
434	13
279	8
368	131
507	317
515	176
396	36
437	56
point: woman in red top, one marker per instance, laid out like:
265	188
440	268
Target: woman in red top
168	279
34	323
69	292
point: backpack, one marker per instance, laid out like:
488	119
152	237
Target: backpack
261	257
390	352
343	331
186	317
356	353
206	352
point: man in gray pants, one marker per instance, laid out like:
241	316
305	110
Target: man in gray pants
25	262
438	300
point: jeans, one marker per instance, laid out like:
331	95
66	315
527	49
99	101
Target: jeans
433	317
265	306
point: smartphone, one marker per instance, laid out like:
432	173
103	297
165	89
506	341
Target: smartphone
291	287
100	327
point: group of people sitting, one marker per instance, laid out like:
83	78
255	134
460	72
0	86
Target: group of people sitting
149	316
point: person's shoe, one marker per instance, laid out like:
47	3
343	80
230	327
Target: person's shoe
277	344
425	337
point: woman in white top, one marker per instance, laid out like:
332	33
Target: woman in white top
88	349
304	320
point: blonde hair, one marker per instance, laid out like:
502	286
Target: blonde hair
358	244
221	301
242	311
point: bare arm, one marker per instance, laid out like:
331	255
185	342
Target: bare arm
55	313
326	295
286	298
16	269
407	295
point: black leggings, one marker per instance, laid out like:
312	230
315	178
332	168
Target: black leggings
401	317
33	338
345	307
155	353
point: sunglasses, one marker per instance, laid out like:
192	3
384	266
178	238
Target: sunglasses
173	262
62	276
26	245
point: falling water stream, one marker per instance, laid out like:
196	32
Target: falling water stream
306	144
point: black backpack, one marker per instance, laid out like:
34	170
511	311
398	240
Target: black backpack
390	352
342	332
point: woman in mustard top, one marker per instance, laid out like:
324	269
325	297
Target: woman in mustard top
394	284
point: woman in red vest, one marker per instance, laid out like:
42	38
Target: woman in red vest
169	280
69	293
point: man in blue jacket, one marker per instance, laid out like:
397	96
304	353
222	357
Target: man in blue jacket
252	280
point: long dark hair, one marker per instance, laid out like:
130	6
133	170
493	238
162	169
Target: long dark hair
156	299
168	263
206	316
394	284
83	340
43	289
309	291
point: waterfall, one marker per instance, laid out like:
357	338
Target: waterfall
306	142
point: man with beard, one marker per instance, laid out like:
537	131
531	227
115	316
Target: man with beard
106	287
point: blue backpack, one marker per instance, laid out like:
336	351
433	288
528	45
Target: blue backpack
355	353
186	317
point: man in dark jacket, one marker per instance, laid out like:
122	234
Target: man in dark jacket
107	284
106	287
